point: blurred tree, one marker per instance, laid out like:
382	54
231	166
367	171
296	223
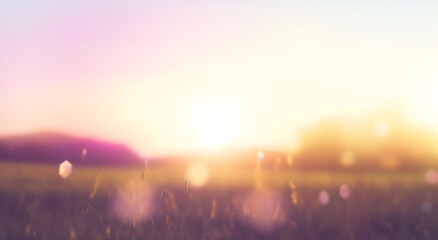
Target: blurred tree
335	144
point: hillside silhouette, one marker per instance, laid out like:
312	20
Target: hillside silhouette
48	147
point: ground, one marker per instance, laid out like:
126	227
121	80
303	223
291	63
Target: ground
158	203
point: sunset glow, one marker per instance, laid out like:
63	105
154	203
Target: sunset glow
214	126
266	119
141	74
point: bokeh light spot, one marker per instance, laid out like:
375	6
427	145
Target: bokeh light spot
263	211
432	176
382	129
260	156
134	204
324	197
197	174
344	191
65	169
347	158
84	154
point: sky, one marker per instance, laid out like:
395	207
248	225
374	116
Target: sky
169	77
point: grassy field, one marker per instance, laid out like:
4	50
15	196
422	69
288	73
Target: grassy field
157	203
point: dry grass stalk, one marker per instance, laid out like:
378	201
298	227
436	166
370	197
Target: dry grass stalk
213	209
96	186
293	195
186	187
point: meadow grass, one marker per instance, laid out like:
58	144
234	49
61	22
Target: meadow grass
35	203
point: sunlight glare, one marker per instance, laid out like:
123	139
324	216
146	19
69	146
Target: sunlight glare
214	125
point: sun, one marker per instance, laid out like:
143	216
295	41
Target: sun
214	125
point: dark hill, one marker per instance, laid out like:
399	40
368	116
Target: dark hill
55	148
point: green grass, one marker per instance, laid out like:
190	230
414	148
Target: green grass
35	203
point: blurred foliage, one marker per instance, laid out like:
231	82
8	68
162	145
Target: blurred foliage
405	147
